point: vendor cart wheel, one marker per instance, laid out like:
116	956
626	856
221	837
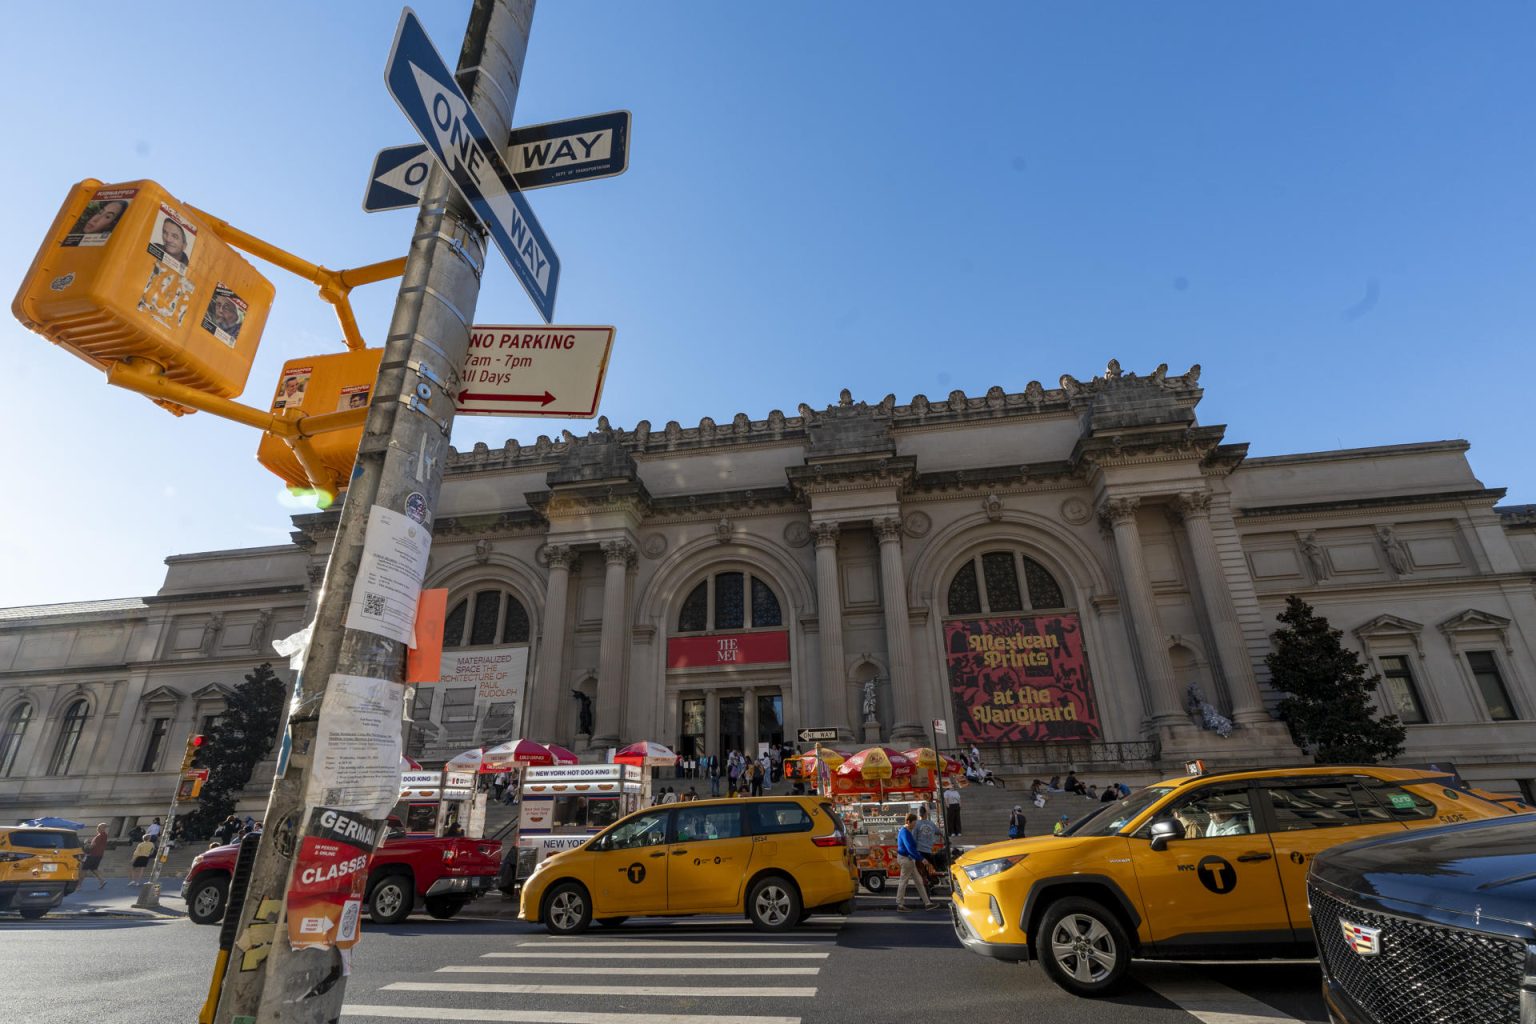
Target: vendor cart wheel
611	922
874	881
773	904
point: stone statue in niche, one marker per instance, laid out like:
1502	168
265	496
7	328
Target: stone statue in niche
1211	720
1315	557
1397	555
211	630
584	721
870	700
259	629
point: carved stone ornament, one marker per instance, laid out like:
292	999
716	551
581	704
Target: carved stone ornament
825	533
888	529
1193	503
917	524
1119	510
483	550
618	552
1397	555
211	630
797	534
316	573
723	530
1314	555
557	556
992	505
653	545
1076	511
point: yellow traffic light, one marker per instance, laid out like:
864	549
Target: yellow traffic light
317	386
128	271
194	748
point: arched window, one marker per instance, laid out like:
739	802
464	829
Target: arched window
995	582
69	737
729	600
14	732
488	617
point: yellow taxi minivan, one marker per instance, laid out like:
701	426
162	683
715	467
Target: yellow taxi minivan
1197	867
775	859
38	868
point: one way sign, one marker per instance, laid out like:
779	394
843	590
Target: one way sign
430	98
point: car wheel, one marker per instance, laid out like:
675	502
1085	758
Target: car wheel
1083	947
391	900
611	922
33	913
567	910
874	882
205	903
444	907
773	904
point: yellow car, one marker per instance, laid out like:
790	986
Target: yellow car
1204	867
38	868
775	859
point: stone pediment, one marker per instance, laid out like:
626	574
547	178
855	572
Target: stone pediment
213	691
1383	627
1473	620
163	695
850	428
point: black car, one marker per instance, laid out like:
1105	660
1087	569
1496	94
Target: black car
1430	927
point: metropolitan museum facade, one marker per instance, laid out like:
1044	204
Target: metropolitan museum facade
1054	573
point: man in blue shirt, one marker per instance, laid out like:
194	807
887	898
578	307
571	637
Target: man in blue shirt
907	856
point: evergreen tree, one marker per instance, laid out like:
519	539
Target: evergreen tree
1328	707
240	739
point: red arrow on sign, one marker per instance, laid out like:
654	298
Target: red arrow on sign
544	399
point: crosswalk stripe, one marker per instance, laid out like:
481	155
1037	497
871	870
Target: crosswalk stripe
1211	1002
679	991
660	956
734	972
559	944
548	1016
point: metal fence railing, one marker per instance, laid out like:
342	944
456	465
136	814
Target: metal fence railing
1058	758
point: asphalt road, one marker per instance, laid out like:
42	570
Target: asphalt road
874	967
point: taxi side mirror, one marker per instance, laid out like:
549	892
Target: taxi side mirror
1162	833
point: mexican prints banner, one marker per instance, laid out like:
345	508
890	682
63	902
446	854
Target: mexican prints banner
1021	680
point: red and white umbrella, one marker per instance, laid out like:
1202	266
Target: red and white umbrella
647	754
469	761
562	755
407	765
513	754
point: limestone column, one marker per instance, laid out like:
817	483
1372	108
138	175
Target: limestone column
1194	508
1164	708
898	631
618	558
712	722
549	694
749	721
829	607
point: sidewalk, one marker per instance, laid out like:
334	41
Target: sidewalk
116	901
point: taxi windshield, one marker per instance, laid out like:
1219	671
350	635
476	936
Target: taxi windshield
1112	817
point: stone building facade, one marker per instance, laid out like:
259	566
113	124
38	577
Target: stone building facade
1049	571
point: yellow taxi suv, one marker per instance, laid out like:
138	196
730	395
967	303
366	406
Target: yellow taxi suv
1204	867
38	868
775	859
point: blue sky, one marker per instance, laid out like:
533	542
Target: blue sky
1329	206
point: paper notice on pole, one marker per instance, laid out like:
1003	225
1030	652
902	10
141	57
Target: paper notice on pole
356	764
389	577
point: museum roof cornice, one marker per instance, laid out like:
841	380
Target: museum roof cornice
1445	499
996	404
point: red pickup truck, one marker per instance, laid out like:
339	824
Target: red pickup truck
443	874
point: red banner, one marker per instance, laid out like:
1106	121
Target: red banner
330	876
769	648
1021	680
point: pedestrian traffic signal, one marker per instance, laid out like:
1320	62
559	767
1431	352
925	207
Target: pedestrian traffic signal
194	750
313	387
129	272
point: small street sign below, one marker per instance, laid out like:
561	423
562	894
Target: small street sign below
940	727
534	371
810	735
431	100
398	176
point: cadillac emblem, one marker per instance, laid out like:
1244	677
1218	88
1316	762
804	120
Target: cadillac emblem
1364	941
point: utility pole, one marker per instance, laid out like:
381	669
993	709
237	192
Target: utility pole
405	442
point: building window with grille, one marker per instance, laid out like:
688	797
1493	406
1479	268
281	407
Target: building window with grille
156	745
989	584
421	705
459	704
1399	691
11	735
69	737
729	601
1490	683
485	619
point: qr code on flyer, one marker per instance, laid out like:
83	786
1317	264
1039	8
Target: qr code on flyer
373	604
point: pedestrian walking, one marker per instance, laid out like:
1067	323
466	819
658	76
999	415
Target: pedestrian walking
1016	822
929	843
94	851
908	857
141	855
952	809
713	771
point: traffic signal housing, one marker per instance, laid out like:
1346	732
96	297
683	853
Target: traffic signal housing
193	753
315	386
127	271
